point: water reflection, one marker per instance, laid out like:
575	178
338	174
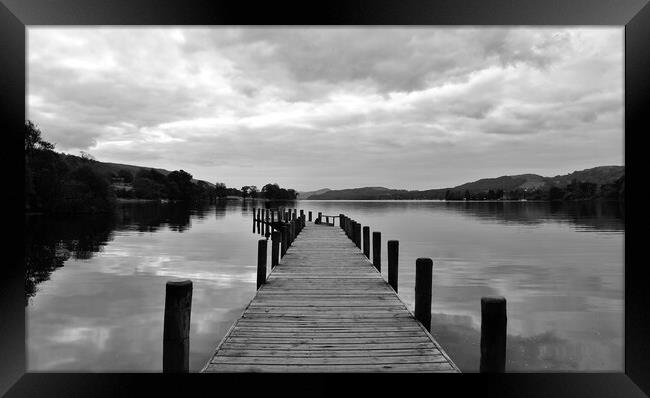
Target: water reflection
94	285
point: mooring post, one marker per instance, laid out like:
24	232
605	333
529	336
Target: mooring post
493	334
376	250
357	234
366	241
310	215
176	327
352	231
284	231
275	248
423	281
393	250
261	262
320	215
254	209
302	213
295	214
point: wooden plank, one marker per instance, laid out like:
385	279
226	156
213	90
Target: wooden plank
327	360
397	367
331	353
326	308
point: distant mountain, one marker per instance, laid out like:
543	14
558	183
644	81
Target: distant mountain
507	183
599	176
366	193
308	194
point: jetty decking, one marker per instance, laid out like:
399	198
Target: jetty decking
326	308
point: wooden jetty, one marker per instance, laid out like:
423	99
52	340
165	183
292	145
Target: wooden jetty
326	308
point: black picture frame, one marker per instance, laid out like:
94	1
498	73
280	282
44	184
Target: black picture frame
634	15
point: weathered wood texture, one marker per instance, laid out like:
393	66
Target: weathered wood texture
326	308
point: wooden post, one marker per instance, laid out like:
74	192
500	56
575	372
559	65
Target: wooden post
493	334
284	231
376	250
393	250
357	234
295	214
310	216
423	281
320	215
366	241
302	213
341	217
261	262
176	327
290	231
275	248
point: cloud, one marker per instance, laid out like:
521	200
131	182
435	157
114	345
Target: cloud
253	104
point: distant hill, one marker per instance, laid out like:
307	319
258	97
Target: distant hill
110	169
601	175
308	194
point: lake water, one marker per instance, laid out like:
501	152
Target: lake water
95	285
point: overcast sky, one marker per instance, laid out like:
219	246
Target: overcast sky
309	108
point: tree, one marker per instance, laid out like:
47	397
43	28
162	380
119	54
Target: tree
556	193
87	157
245	191
126	175
220	189
33	140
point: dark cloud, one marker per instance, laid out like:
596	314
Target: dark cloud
384	102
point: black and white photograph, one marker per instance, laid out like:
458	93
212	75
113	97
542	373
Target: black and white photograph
324	199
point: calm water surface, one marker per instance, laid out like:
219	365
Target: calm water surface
95	285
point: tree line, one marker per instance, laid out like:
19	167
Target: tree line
575	190
59	183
